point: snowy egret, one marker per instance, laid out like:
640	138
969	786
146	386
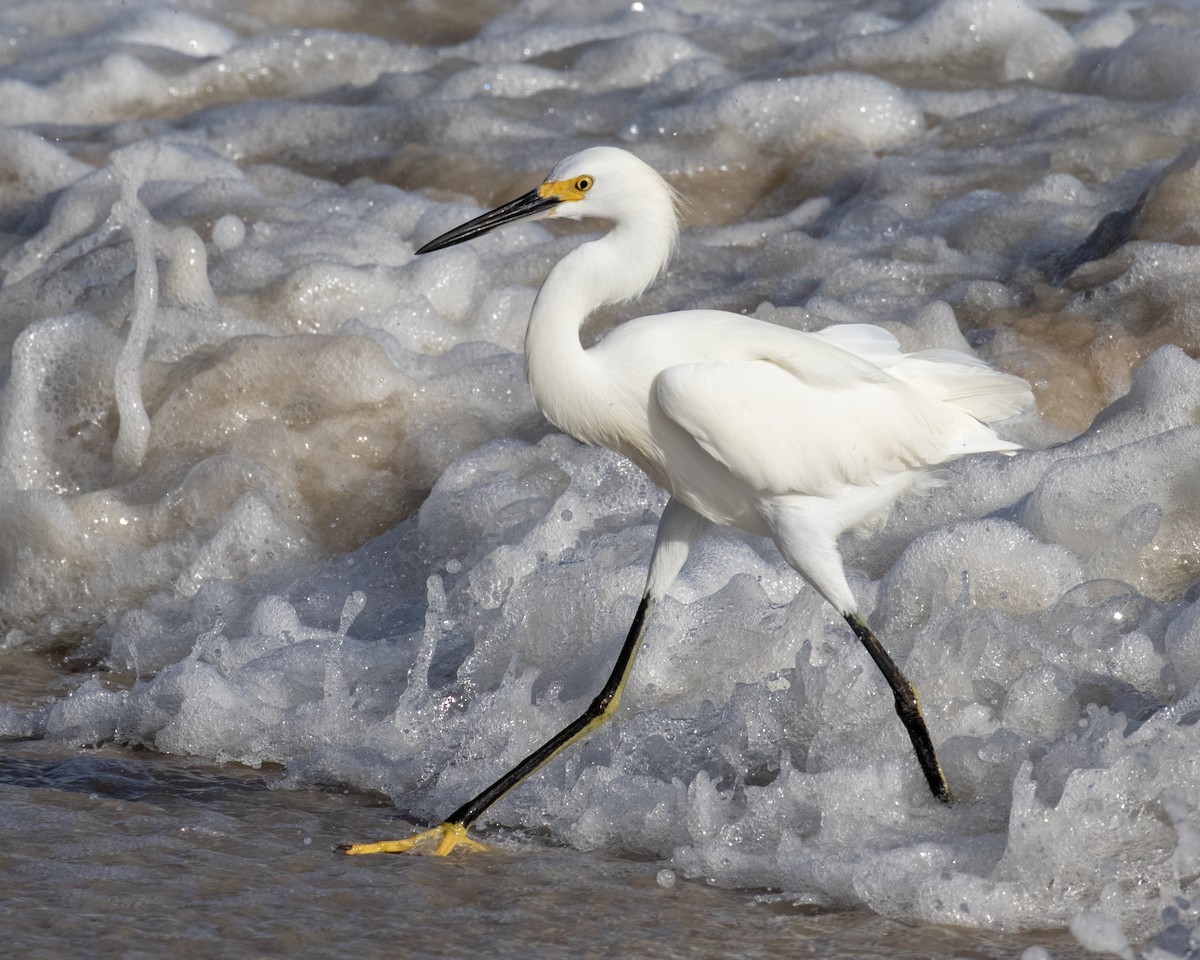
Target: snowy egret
789	435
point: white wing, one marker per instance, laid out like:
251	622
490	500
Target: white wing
814	425
947	375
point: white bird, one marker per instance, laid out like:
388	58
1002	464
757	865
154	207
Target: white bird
788	435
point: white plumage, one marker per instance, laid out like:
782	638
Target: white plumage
796	436
742	420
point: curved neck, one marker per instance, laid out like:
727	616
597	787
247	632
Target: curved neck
556	365
614	267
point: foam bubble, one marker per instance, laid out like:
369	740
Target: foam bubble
34	167
174	30
644	57
796	111
229	232
1001	40
1157	63
351	546
1120	508
1097	931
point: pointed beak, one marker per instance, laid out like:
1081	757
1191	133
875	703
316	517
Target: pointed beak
528	205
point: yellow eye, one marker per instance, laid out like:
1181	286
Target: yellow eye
562	189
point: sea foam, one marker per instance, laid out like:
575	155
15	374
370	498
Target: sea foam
275	489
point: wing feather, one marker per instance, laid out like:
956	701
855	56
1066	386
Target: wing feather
781	433
957	378
792	412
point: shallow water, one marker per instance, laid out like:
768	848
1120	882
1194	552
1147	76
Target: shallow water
276	509
126	854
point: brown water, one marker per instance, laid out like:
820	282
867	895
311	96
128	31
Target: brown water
132	854
334	152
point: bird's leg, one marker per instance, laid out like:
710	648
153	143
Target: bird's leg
908	706
453	832
679	528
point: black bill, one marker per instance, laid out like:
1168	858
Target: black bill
527	205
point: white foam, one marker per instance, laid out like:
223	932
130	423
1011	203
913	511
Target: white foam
263	578
173	30
229	232
133	433
996	40
1131	71
648	56
796	112
34	167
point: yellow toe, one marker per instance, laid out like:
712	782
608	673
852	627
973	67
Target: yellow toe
439	841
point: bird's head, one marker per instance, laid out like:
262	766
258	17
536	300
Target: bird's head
604	182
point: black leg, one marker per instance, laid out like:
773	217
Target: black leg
908	707
597	714
453	831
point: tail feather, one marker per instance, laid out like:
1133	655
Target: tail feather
950	376
966	382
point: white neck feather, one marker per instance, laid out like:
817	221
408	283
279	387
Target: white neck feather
615	267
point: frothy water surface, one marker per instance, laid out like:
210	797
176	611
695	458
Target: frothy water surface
108	854
276	508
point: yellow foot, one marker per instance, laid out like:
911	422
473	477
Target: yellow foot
446	836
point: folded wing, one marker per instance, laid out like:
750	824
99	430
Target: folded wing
813	422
